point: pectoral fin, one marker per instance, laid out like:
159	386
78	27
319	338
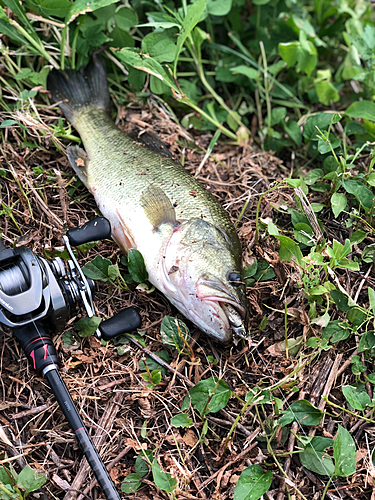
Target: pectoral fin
158	207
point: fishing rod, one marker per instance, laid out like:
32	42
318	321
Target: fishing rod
37	298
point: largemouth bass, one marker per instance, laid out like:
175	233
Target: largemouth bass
189	244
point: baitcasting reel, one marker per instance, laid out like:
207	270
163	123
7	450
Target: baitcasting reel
37	297
35	289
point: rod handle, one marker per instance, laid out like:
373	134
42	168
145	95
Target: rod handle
70	411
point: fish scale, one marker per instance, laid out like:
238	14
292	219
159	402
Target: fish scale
188	242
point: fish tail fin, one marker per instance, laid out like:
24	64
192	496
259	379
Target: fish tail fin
76	90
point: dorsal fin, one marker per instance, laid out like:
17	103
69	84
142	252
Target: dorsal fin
153	143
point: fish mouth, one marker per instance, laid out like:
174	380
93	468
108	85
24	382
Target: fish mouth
225	307
236	317
231	313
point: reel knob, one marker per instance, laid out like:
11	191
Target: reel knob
96	229
126	321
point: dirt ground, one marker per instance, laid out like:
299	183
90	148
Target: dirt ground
107	387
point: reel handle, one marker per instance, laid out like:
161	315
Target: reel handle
126	321
96	229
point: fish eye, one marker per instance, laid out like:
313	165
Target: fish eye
234	279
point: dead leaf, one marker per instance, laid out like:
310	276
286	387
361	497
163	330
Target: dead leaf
134	444
114	473
275	350
189	438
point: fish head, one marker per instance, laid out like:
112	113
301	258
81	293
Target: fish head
202	276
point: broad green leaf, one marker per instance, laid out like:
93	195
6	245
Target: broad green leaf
325	147
317	290
371	180
326	92
356	316
252	483
293	130
143	461
368	254
303	53
8	123
303	412
304	233
277	115
193	14
336	330
251	73
259	396
87	326
317	207
136	266
363	194
362	109
357	366
154	378
338	203
314	458
312	176
367	341
47	8
5	475
17	8
30	479
113	272
98	269
136	78
181	420
10	31
251	269
84	6
173	332
371	296
131	483
162	480
357	398
289	249
320	120
121	38
208	396
125	19
219	7
289	52
232	122
154	365
159	46
344	453
272	229
293	183
145	63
